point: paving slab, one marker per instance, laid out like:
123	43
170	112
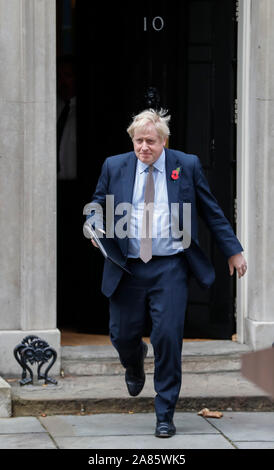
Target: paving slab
26	441
254	445
122	424
132	431
24	433
185	441
20	425
251	427
235	430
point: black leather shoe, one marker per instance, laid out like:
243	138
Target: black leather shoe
135	375
165	429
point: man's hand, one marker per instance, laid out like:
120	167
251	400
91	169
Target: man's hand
239	263
93	242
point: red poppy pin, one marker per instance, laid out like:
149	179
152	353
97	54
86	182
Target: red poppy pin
175	173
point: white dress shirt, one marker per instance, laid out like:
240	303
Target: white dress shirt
162	242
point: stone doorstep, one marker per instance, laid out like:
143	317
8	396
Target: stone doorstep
112	366
5	399
93	382
197	357
106	394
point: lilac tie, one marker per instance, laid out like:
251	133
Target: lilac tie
146	236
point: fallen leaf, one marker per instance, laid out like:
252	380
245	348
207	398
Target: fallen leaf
206	413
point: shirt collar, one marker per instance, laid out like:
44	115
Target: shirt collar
159	164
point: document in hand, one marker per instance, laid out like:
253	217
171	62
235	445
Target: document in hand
108	247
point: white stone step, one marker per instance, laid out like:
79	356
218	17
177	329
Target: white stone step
5	399
108	394
197	357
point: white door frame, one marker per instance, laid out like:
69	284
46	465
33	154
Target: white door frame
243	80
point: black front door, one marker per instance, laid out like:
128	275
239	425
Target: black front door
178	55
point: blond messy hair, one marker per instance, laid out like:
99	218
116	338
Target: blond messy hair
158	118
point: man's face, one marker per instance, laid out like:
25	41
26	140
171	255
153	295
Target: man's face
148	145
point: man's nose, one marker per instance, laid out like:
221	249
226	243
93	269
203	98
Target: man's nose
144	145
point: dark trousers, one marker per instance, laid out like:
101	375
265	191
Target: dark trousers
162	286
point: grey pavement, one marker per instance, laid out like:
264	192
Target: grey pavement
235	430
90	407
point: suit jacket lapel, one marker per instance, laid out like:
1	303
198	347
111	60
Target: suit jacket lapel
172	162
128	177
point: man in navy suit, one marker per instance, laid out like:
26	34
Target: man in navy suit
146	184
